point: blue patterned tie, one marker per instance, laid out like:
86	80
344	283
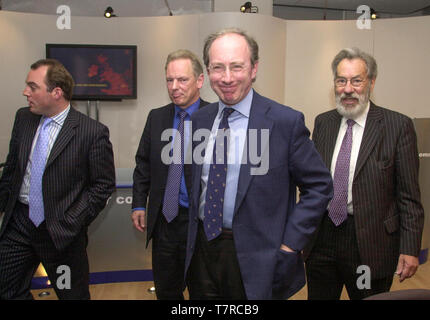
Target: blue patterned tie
38	162
216	183
171	195
338	206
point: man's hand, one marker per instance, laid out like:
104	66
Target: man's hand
407	266
138	218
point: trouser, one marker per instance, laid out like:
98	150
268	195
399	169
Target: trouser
333	263
214	272
23	247
169	244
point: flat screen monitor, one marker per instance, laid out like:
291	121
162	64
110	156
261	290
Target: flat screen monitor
100	72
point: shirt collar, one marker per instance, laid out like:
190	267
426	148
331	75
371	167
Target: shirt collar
190	109
243	107
360	120
61	117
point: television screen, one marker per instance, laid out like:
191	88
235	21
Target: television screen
100	72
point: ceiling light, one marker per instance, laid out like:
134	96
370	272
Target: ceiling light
247	7
373	14
109	12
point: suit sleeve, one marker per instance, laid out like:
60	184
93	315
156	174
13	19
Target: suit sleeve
314	182
102	173
10	166
409	205
141	175
315	133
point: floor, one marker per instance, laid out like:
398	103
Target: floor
141	290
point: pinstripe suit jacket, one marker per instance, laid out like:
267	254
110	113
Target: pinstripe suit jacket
388	213
79	175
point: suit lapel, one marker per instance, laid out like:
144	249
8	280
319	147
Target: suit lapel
257	120
27	139
372	132
66	133
166	123
187	167
205	121
332	130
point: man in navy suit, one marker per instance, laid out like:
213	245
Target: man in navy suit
254	251
154	178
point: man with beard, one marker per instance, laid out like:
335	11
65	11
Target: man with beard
375	218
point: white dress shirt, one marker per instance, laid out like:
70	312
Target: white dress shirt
357	136
54	129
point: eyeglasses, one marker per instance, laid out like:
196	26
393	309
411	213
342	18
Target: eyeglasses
342	82
220	69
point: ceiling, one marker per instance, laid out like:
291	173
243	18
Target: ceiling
129	8
122	8
401	7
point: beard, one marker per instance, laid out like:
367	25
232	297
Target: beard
352	111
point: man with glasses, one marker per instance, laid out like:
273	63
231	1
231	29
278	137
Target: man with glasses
246	230
373	225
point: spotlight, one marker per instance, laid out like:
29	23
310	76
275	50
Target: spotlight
247	7
109	12
373	14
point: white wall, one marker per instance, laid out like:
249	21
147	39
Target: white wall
23	37
311	46
400	47
294	67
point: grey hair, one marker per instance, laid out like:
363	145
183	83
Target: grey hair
186	54
355	53
252	44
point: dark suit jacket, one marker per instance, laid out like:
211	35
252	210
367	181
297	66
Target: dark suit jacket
150	174
79	175
388	214
266	214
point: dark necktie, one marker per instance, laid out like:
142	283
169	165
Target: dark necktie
216	181
171	195
38	162
338	206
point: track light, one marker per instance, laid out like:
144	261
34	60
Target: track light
247	7
109	12
373	14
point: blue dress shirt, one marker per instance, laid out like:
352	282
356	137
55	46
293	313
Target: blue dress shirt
238	123
183	194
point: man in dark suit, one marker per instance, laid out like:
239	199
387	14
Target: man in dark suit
58	176
375	219
168	184
246	230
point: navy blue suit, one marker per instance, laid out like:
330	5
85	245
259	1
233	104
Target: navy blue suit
266	214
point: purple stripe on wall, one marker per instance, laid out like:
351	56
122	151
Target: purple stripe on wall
103	277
